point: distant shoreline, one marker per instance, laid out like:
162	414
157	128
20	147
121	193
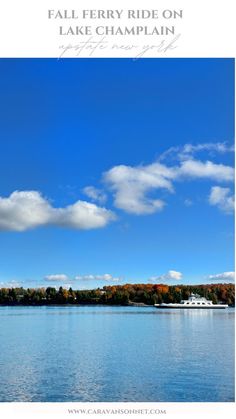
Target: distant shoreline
135	295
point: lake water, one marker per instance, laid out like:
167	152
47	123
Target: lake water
101	353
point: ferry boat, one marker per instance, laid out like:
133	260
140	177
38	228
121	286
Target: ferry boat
194	301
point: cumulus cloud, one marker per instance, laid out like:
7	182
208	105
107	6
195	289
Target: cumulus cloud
24	210
222	198
175	275
222	277
56	277
195	169
104	277
95	194
82	215
132	185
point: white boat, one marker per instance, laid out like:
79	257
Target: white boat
194	301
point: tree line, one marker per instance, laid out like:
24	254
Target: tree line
128	294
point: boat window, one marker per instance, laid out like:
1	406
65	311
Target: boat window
193	303
198	303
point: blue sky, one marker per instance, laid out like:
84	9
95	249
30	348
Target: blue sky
115	171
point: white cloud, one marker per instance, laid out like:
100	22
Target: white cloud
24	210
95	194
10	284
222	198
187	151
132	185
168	276
222	277
195	169
188	202
56	277
220	147
104	277
82	215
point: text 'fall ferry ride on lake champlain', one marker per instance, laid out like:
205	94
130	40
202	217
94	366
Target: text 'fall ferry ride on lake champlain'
194	301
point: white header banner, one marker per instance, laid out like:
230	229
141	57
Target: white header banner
124	28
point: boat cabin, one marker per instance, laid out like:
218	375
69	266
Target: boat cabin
195	299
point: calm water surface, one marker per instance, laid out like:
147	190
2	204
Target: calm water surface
59	354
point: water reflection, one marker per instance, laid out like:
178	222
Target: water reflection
99	353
